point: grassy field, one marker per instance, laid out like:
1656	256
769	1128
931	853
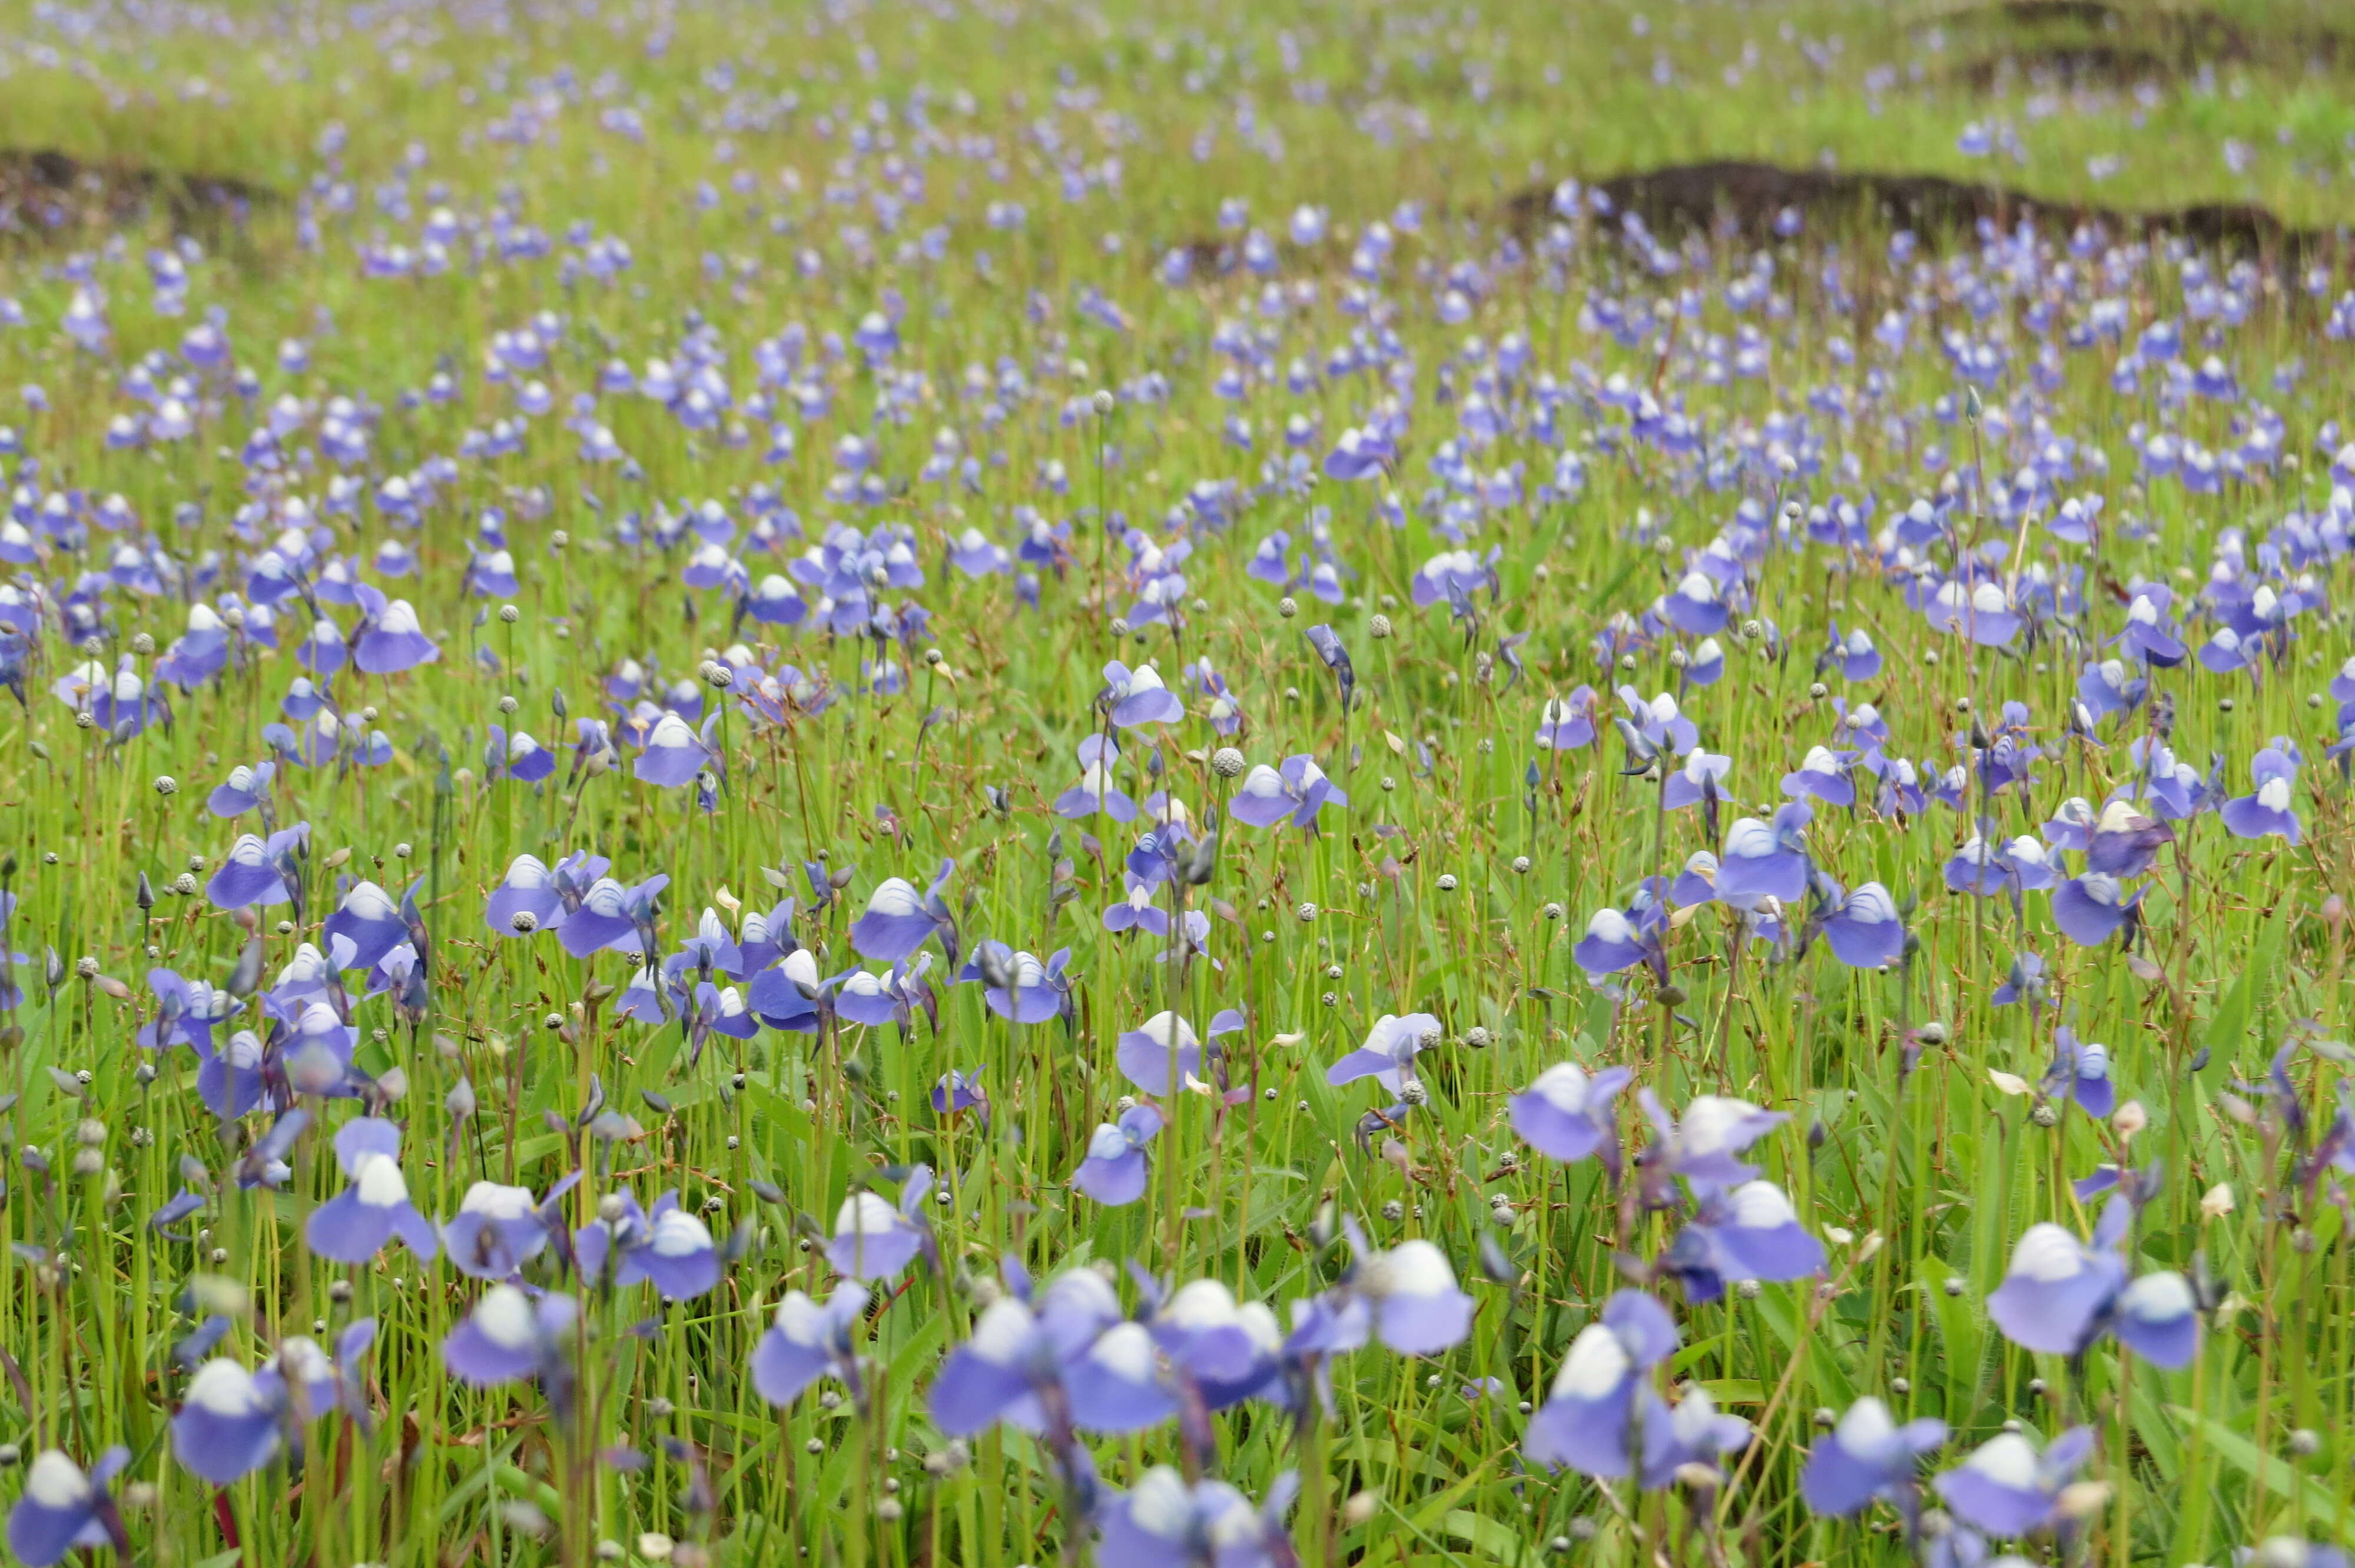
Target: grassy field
980	529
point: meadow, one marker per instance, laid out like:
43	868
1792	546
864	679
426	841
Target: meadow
1020	782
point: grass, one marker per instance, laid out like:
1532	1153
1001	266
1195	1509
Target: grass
1920	1184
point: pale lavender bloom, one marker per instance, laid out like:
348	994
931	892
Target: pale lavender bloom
1387	1055
2081	1072
1565	1115
2267	811
1691	1433
674	753
497	1230
253	874
1417	1307
1585	1421
389	640
2007	1488
245	788
899	919
2123	843
1230	1350
1701	780
1715	1128
1660	721
1982	612
1139	696
1822	774
1864	929
1096	791
1114	1172
669	1247
228	1425
1611	944
873	1238
1866	1455
1749	1232
62	1508
1161	1056
510	1336
2089	909
1567	724
371	921
1297	791
354	1227
805	1342
1164	1522
1764	861
1693	607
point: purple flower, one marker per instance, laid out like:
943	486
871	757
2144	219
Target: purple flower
246	788
1568	725
2060	1295
1822	774
873	1238
354	1225
1585	1421
2081	1072
1139	696
673	753
1660	721
1701	781
1096	791
526	889
2089	909
2123	843
1858	658
1296	791
1565	1115
1166	1521
371	921
1387	1055
1017	986
899	920
511	1336
1358	454
959	1091
62	1508
805	1342
228	1423
1715	1128
1981	613
389	640
185	1011
1750	1232
253	874
1114	1171
2147	634
1417	1309
1611	944
1764	861
497	1230
2266	813
1868	1455
2007	1488
1229	1351
1693	607
1864	929
669	1247
1161	1056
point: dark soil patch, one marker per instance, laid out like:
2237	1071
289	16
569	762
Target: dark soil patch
1746	199
50	197
2073	65
2091	42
